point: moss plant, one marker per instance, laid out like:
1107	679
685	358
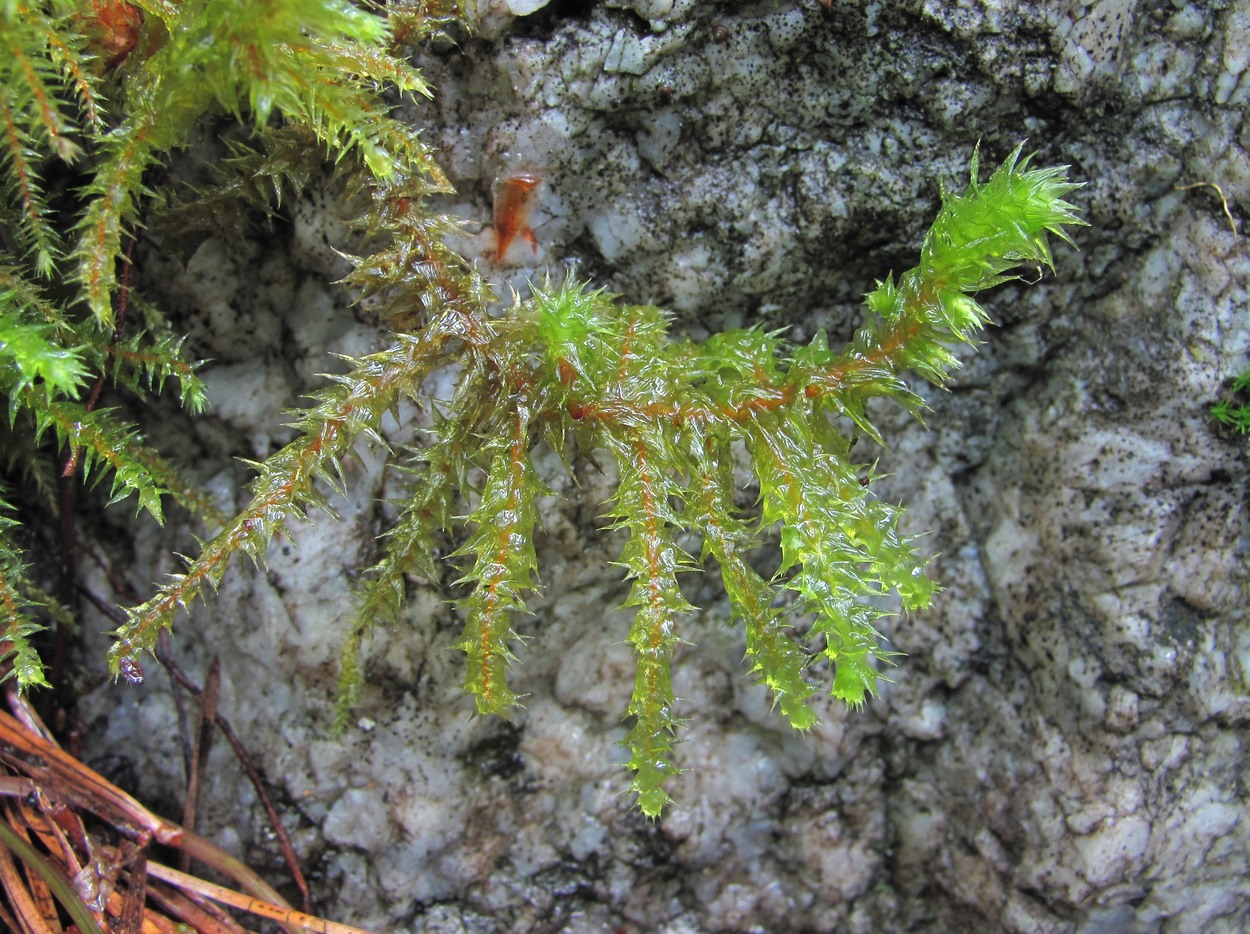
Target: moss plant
1233	410
96	96
569	367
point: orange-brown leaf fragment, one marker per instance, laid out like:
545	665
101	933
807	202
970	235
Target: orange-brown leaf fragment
514	200
112	29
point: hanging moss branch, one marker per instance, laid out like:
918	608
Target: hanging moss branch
773	653
608	377
653	560
114	195
41	51
66	54
35	234
316	62
286	486
502	549
410	546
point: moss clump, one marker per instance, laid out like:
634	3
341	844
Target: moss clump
569	367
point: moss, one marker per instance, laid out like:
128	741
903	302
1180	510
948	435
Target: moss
1233	410
568	367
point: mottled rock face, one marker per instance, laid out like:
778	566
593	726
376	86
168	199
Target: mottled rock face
1062	746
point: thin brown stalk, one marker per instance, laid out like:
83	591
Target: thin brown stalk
165	656
199	751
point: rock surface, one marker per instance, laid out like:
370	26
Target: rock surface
1063	746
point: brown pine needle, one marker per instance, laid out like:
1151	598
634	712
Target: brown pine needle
48	765
190	912
286	916
54	778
